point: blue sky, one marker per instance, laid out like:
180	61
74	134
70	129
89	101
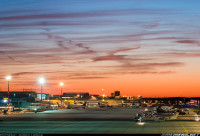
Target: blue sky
98	39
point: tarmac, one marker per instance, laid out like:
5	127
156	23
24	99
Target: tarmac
97	121
99	127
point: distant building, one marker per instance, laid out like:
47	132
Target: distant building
81	95
112	95
56	97
117	94
96	96
140	98
17	98
44	96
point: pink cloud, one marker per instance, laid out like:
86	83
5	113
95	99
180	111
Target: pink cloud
112	56
189	42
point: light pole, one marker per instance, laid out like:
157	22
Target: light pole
61	85
102	92
41	81
8	78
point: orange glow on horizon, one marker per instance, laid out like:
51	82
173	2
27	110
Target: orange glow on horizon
170	85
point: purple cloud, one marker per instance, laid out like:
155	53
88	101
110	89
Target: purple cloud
112	56
189	42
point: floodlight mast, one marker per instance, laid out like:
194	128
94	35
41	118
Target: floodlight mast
41	81
8	78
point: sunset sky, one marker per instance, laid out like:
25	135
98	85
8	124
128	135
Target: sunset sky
139	47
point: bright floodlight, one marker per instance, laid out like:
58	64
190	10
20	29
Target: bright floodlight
61	84
41	80
141	123
196	117
8	78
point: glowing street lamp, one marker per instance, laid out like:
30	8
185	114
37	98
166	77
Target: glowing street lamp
102	92
61	85
41	81
8	78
